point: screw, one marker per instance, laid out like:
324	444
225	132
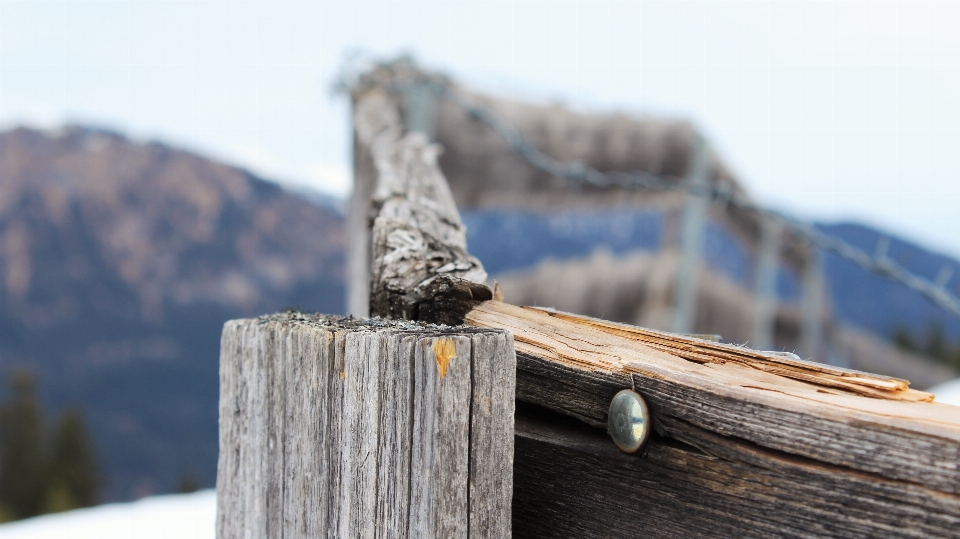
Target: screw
628	421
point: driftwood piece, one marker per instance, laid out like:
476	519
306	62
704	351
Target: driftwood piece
421	269
782	364
333	427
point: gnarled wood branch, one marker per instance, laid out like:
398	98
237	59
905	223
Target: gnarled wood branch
421	269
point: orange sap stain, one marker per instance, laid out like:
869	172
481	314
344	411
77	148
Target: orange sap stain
445	351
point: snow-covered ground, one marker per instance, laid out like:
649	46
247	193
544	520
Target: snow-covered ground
947	393
175	516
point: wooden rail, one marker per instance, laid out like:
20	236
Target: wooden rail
740	451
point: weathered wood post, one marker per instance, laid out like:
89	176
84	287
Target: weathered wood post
336	427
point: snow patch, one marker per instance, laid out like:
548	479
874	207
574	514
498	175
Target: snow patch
947	393
180	516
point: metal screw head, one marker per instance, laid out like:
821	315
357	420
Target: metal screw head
628	421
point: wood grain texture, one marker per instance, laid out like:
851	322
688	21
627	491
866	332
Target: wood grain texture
441	434
571	481
334	427
421	269
749	444
491	418
575	369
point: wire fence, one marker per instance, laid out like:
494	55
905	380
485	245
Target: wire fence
933	289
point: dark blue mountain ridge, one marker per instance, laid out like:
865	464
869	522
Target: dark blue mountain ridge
509	240
881	304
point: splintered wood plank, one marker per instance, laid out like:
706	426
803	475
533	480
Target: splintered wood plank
574	368
748	444
335	427
701	351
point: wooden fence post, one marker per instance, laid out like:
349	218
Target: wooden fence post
333	427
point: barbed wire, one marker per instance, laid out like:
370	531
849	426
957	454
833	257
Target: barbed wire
879	263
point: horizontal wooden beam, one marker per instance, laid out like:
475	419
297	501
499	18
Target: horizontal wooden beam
724	402
571	481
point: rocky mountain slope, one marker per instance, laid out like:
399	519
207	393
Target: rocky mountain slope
119	263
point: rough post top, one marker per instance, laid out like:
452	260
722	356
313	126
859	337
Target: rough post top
348	323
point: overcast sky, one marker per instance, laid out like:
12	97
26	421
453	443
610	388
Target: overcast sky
827	110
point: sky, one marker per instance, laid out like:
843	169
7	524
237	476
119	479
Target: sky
826	110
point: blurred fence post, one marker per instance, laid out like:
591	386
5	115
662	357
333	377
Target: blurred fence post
765	291
811	307
691	240
420	110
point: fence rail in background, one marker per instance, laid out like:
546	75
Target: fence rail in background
933	289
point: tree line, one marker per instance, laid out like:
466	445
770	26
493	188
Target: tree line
43	469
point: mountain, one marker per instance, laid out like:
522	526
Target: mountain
512	240
880	304
119	263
